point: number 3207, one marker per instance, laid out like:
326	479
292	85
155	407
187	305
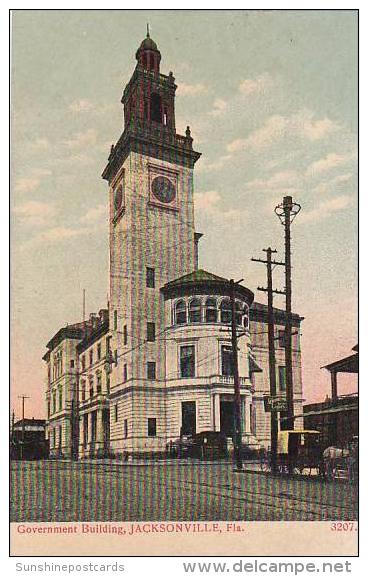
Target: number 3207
343	527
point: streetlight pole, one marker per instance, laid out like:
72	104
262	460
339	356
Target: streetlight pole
286	212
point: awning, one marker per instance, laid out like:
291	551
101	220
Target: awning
332	410
253	366
350	364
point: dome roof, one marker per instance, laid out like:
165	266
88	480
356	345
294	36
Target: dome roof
148	44
200	281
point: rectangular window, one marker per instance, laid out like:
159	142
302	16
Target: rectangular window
151	332
83	390
151	427
116	357
125	373
116	415
282	378
151	370
85	430
125	335
71	363
187	362
253	419
48	409
83	363
115	319
99	384
188	418
54	402
60	399
125	428
98	351
227	365
282	341
150	277
91	387
284	423
91	357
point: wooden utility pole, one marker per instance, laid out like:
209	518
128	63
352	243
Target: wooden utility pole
271	348
237	400
23	397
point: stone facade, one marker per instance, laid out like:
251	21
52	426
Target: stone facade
157	363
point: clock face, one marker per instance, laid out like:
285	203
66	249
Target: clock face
118	197
163	189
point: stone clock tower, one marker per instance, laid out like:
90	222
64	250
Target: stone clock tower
152	242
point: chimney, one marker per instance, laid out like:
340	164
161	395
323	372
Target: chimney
93	318
104	315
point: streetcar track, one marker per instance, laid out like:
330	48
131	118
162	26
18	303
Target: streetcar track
270	504
284	507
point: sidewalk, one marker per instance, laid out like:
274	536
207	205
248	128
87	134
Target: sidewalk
250	465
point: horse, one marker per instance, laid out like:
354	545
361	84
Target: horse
331	458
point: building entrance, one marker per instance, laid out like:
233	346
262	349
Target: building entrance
227	417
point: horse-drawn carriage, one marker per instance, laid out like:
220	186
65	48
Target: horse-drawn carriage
298	451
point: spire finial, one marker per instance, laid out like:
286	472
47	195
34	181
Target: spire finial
148	34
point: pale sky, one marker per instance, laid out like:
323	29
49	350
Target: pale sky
271	99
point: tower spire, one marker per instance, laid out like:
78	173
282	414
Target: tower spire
148	33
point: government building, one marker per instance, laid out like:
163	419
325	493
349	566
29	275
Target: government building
157	362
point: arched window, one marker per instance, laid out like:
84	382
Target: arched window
195	311
211	310
156	112
181	312
225	311
164	116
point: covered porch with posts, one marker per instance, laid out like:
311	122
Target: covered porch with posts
349	365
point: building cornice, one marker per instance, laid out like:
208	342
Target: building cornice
259	313
158	142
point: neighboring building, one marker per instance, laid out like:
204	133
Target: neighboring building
259	346
337	420
62	361
28	440
94	389
337	417
158	363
